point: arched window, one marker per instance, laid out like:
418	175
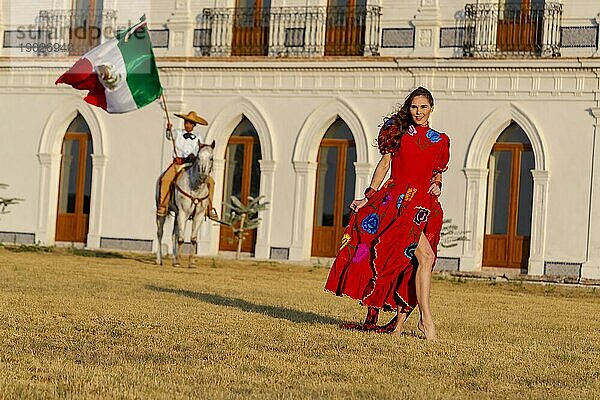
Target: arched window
75	183
335	188
509	200
242	177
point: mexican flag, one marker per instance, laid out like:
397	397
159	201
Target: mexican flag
120	74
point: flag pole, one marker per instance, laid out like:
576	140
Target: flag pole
164	101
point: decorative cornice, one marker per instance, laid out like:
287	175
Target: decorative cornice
54	67
475	173
304	167
267	166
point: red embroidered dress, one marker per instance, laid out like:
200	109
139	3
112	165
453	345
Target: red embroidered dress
376	263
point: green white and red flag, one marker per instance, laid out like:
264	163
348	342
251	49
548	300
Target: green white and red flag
120	74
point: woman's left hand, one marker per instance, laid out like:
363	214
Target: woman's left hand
434	189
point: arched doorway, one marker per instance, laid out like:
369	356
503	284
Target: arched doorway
509	200
242	178
335	188
75	183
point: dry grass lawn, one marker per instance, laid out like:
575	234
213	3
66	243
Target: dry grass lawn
88	327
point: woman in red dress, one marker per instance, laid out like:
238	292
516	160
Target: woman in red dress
389	247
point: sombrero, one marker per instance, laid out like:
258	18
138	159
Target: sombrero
192	117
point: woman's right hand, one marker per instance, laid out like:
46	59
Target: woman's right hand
357	204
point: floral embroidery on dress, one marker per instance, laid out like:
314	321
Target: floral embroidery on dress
421	215
371	223
433	136
409	252
345	240
388	122
399	202
410	192
362	252
386	199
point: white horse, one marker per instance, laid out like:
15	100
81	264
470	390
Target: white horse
189	200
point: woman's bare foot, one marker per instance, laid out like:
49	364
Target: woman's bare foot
427	329
401	318
399	327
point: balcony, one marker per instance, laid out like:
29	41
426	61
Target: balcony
74	31
288	31
513	30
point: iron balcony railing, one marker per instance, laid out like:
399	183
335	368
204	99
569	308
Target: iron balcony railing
288	31
74	31
511	29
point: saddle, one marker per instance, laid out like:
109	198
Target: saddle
173	189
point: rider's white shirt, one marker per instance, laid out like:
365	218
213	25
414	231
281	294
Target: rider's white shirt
184	147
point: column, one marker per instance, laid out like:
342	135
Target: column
181	30
304	206
538	222
49	179
263	232
97	201
427	29
591	268
363	178
474	222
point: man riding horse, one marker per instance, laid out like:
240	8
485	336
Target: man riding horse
186	147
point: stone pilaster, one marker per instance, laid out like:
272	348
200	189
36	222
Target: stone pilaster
263	232
96	201
49	179
472	255
181	30
591	268
537	248
427	29
304	205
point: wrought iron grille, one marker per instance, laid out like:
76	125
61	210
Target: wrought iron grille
288	31
76	31
512	29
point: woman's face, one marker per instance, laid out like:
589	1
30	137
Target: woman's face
420	109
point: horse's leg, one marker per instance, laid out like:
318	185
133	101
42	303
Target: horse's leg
178	233
160	224
194	239
175	238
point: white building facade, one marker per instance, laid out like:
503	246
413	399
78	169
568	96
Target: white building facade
294	92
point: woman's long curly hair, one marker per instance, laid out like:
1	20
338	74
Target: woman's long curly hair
397	124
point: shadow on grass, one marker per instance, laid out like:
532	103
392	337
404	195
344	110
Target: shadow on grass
36	248
243	305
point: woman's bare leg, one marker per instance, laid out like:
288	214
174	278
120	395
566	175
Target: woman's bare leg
426	258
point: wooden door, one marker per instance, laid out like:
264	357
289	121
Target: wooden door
86	25
75	188
508	216
251	28
345	31
242	179
334	190
520	25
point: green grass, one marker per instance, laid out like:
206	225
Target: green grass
89	327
